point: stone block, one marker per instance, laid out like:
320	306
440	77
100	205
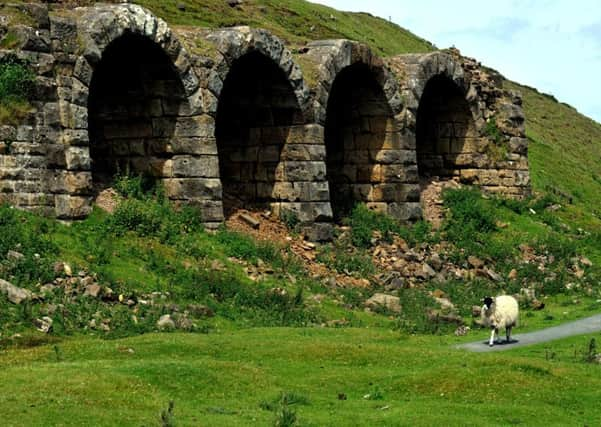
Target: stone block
51	114
196	126
318	232
405	211
196	166
55	156
193	188
269	153
194	145
75	137
286	191
305	171
518	145
211	211
72	207
77	158
83	71
399	173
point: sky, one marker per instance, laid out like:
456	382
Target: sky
552	45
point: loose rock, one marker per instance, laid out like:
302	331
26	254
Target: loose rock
389	302
44	324
14	294
166	322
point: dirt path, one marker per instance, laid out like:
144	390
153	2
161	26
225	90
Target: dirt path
578	327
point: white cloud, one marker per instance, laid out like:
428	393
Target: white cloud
552	45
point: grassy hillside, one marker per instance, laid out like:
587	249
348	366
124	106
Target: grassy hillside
564	154
294	21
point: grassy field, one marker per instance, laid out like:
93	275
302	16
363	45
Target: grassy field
328	377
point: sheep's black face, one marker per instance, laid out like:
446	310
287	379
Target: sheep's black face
488	302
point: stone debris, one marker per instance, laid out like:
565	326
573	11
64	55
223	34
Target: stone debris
166	322
92	290
14	256
462	331
250	220
14	294
44	324
388	302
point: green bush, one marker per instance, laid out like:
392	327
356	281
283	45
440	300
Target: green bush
16	80
151	218
470	219
345	260
364	222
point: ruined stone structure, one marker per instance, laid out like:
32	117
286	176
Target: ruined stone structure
228	118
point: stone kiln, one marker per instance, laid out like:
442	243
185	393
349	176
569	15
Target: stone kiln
226	118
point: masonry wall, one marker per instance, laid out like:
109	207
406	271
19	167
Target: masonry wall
363	129
469	128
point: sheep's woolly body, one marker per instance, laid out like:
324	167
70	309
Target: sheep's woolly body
503	313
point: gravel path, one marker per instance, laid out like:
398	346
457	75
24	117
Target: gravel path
578	327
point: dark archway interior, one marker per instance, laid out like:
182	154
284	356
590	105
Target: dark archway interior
135	98
256	108
444	122
358	116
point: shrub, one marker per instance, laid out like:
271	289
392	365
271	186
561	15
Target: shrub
16	80
364	222
469	220
345	260
152	218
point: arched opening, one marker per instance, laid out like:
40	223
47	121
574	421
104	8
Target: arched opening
256	109
357	124
444	128
135	98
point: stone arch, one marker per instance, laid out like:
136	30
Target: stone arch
358	103
269	155
162	130
135	98
445	115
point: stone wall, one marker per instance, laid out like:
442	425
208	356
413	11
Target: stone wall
227	115
465	124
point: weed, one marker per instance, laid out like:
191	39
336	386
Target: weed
346	260
141	186
58	353
492	131
374	393
590	354
284	415
167	417
290	220
364	222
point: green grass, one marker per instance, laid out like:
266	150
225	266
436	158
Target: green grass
564	155
234	378
296	22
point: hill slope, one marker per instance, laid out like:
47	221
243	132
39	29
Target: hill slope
564	152
294	21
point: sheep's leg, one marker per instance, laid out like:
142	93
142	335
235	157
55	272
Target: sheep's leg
492	337
508	333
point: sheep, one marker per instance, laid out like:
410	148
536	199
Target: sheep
500	312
